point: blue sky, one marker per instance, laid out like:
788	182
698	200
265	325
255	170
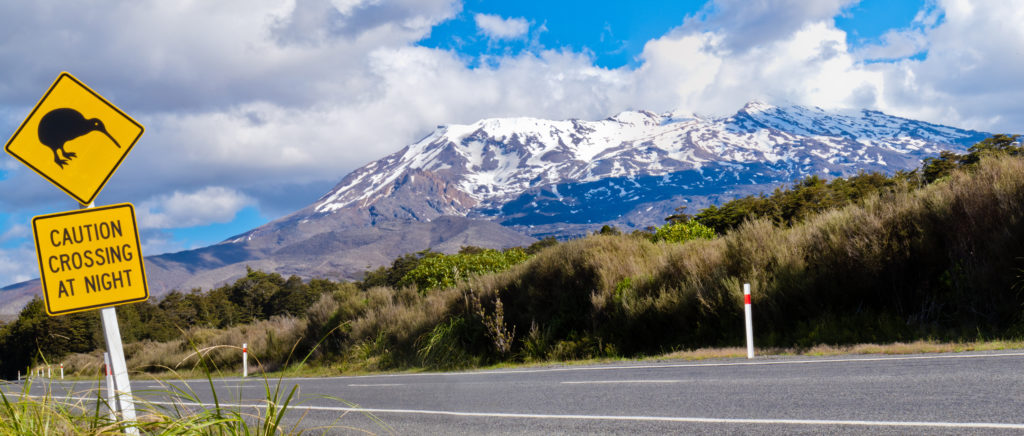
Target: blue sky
614	32
255	108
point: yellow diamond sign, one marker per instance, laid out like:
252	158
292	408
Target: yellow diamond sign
90	259
74	138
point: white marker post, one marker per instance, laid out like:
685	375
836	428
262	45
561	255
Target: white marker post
62	370
245	360
750	321
19	375
109	375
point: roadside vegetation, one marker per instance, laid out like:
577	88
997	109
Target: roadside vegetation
933	255
173	410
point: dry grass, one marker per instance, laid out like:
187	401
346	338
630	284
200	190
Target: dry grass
915	347
270	345
706	353
897	348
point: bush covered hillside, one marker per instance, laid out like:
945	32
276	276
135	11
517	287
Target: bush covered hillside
934	253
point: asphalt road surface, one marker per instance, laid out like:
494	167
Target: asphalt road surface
956	393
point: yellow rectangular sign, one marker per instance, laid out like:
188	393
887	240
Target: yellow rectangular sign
90	259
74	138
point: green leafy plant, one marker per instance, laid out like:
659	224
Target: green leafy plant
683	231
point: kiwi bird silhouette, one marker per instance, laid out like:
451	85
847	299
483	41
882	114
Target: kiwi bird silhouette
62	125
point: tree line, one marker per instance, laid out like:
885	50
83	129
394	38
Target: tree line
35	338
787	206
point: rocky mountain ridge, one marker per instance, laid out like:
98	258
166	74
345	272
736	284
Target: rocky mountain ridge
503	182
546	177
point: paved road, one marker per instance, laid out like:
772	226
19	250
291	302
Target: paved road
958	393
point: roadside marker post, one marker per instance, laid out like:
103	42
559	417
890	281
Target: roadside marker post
749	321
62	370
109	375
245	360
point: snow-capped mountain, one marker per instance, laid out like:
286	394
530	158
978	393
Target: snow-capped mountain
632	169
495	181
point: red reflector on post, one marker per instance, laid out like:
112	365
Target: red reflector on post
746	299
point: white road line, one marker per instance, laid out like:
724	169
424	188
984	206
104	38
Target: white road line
374	385
601	382
681	419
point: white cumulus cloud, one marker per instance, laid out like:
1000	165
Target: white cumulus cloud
18	264
209	205
241	97
497	27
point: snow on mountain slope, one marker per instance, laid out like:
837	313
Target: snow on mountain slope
485	167
491	182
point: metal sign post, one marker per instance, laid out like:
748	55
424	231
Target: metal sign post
122	385
116	365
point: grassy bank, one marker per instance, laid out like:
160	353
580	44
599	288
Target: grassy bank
941	262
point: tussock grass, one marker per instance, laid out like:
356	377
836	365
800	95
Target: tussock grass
271	341
939	262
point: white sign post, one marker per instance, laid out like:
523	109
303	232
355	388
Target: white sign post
118	385
749	319
122	386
